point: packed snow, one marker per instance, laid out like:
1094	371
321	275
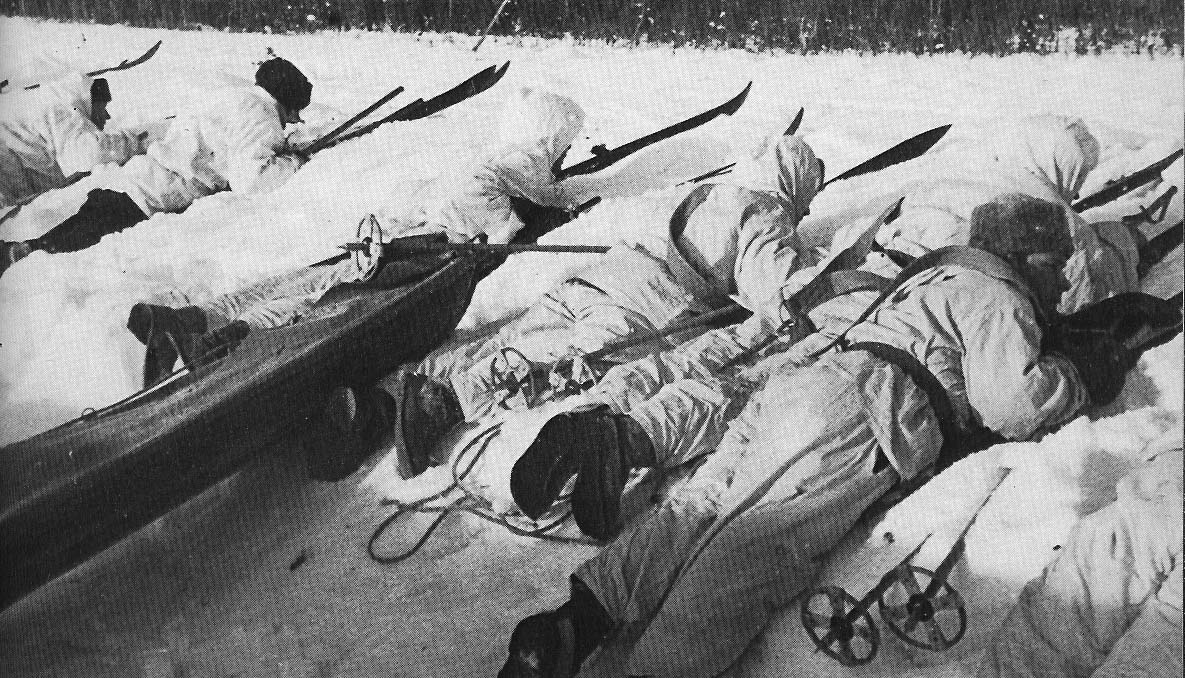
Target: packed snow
216	588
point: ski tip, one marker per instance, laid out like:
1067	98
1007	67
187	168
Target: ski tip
152	50
501	71
735	104
934	135
892	212
795	123
588	204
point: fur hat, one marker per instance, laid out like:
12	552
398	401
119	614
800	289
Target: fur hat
100	90
285	83
1015	223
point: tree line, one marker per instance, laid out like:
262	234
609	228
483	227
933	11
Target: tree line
805	26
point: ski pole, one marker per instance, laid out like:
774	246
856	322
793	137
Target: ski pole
490	27
833	633
395	248
640	340
472	86
916	619
332	134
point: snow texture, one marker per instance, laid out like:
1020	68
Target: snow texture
266	575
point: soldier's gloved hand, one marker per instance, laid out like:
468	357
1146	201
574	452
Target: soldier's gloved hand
299	156
1139	321
576	373
1101	361
559	162
1106	339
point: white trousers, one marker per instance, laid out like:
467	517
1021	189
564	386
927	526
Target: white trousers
574	317
282	299
698	579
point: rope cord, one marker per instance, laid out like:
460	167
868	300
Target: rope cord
469	502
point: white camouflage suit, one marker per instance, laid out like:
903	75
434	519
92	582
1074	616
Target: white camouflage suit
1047	157
739	241
235	141
1109	606
686	400
47	135
685	404
535	128
696	580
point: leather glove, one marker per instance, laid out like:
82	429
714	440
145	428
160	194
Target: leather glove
1105	340
1101	361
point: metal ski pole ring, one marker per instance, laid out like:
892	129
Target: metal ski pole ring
850	642
370	232
935	622
512	374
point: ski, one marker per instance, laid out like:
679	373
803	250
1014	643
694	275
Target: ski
332	134
1124	185
793	128
122	66
721	171
1157	248
474	85
913	147
603	158
456	95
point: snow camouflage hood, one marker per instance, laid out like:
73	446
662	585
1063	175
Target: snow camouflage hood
784	166
1056	151
536	119
73	90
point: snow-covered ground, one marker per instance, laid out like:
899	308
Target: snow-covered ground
215	588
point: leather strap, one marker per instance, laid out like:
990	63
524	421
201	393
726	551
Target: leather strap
839	283
957	442
939	400
830	286
967	257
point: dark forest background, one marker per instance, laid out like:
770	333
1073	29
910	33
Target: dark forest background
917	26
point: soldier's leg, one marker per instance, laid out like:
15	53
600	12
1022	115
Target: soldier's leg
103	212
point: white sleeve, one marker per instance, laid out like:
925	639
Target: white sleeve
767	256
528	176
255	141
79	145
1010	384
